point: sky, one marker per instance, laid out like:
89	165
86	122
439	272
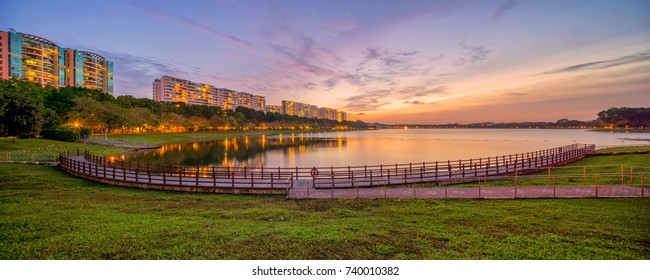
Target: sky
417	62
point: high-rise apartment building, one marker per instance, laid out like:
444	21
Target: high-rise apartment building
41	61
309	111
299	109
171	89
274	109
341	116
327	113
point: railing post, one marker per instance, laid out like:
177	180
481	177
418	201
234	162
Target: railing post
622	176
197	176
421	174
214	177
436	170
271	179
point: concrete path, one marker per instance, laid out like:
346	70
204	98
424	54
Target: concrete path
473	192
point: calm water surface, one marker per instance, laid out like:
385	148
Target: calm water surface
387	146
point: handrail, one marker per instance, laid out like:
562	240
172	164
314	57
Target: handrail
511	163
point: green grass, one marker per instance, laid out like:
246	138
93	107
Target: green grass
644	148
623	130
48	214
46	150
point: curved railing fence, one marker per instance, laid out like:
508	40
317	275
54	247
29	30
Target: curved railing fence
279	180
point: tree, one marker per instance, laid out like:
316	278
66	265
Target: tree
625	117
19	115
216	122
140	118
171	120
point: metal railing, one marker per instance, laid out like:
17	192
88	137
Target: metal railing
189	180
627	183
376	175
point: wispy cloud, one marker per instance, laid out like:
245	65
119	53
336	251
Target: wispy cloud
136	73
604	64
507	5
368	101
422	91
471	55
196	25
515	94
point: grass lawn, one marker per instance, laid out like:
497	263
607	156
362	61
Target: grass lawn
644	148
48	214
46	150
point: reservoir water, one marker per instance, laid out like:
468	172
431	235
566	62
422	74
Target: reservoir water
372	147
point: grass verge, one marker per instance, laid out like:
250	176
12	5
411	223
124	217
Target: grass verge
48	214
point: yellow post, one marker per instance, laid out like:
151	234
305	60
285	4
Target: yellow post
515	178
584	175
622	176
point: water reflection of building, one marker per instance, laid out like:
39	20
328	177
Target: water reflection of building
236	151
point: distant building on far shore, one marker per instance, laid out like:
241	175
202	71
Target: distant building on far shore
172	89
327	113
274	109
341	116
41	61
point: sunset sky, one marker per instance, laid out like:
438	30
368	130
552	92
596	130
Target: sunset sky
426	62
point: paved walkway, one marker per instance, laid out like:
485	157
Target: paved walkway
473	192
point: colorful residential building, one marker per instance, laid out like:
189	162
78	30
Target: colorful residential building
41	61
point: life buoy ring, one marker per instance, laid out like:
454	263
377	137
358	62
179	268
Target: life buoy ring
314	172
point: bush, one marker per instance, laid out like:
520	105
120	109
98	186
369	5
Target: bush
86	132
61	134
25	136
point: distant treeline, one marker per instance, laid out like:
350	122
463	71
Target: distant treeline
29	109
624	117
